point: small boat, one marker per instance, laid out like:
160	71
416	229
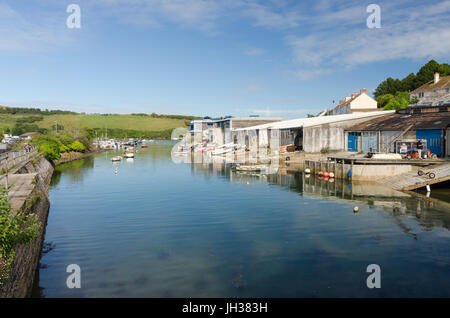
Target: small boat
128	154
144	146
116	158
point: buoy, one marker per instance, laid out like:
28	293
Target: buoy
331	175
331	180
307	170
325	174
355	209
247	182
320	173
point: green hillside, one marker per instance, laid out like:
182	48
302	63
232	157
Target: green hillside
20	120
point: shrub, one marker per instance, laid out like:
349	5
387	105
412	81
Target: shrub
50	151
77	146
18	229
325	150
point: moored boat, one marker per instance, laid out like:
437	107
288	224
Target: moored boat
128	154
116	158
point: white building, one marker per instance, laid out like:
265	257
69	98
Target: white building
355	103
434	92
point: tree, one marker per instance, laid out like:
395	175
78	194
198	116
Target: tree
383	100
412	81
400	100
426	73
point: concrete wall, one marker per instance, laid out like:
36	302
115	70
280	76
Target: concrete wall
319	137
377	172
27	256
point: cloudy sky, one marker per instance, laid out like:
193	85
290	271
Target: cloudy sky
210	57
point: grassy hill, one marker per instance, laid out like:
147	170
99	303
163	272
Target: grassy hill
153	125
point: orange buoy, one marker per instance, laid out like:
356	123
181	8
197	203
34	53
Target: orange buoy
325	174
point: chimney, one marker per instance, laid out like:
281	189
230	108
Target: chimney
354	95
363	91
436	77
342	101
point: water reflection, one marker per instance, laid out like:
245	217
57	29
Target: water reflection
427	211
158	229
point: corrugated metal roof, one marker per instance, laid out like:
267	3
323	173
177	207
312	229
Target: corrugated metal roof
403	121
315	121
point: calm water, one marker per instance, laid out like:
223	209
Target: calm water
158	229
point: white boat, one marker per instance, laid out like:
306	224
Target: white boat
116	158
128	154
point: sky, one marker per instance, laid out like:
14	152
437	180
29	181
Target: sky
274	58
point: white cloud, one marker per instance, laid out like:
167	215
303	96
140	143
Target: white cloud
254	51
419	34
20	34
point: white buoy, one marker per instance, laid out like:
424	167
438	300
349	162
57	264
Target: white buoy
428	188
355	209
307	170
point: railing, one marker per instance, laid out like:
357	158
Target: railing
10	159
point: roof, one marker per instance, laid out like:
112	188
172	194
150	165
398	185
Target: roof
402	121
31	134
444	82
315	121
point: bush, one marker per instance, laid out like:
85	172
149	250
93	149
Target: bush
50	151
77	146
18	229
325	150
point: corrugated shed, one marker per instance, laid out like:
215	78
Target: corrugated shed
403	121
315	121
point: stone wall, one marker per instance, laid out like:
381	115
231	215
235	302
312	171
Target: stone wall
27	256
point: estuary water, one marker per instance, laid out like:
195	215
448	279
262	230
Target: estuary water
151	228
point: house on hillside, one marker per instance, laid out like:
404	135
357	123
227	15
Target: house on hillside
361	102
29	135
434	92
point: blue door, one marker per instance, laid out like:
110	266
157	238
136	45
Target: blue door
352	142
433	138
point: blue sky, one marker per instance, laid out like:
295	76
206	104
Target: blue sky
210	57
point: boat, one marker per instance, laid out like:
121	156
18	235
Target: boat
144	146
116	158
128	154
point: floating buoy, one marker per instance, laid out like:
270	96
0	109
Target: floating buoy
355	209
331	175
307	170
320	173
247	182
331	180
325	174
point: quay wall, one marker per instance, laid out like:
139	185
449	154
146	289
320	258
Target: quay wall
27	256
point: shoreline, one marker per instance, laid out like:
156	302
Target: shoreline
72	156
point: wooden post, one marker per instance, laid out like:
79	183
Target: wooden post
351	175
6	171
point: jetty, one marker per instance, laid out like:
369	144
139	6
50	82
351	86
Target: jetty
412	181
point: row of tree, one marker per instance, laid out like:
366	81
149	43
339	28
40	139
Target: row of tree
412	81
